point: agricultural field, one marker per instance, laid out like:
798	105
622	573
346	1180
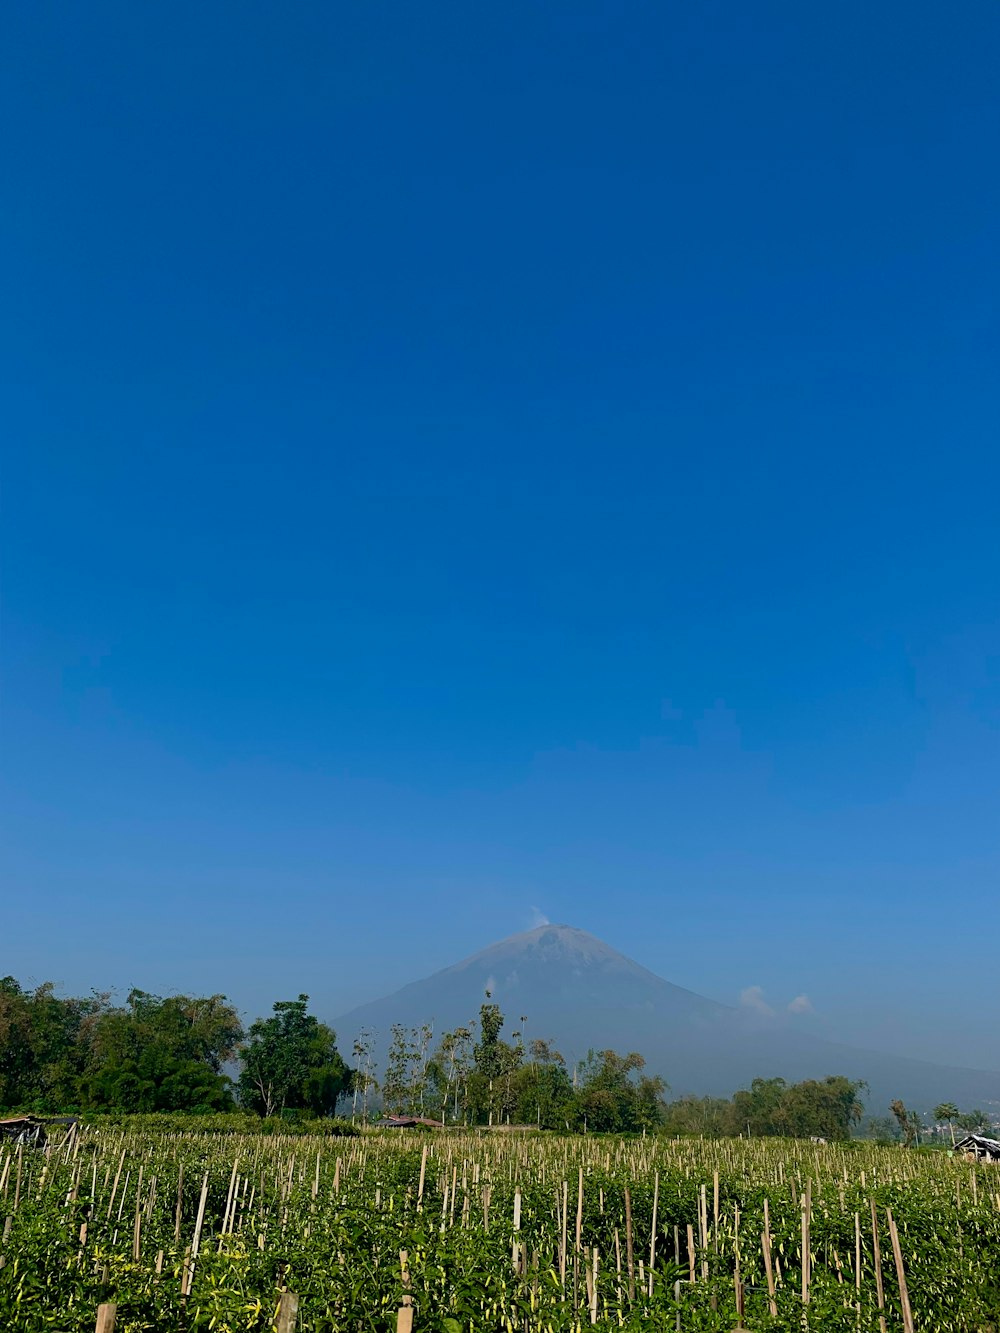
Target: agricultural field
463	1231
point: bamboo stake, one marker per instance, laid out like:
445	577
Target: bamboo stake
230	1200
562	1243
765	1245
404	1316
288	1312
423	1174
195	1243
897	1255
877	1252
180	1200
652	1229
137	1223
114	1187
690	1242
628	1246
703	1227
106	1317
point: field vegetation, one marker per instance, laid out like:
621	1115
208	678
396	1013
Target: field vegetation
492	1230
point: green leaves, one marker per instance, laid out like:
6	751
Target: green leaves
291	1061
328	1219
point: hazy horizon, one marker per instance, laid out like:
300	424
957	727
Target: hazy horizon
471	466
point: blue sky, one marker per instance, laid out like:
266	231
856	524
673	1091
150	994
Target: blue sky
466	464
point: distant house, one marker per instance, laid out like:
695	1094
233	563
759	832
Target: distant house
407	1122
979	1149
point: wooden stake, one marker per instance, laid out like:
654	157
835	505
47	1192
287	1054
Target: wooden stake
765	1245
897	1255
562	1243
690	1243
423	1174
199	1221
114	1187
629	1257
288	1312
579	1212
106	1317
877	1253
180	1199
404	1316
652	1229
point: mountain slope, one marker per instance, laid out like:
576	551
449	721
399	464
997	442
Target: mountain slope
579	992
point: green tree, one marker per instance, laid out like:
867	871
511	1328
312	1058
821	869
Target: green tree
755	1109
611	1100
491	1089
826	1108
880	1128
364	1080
708	1116
974	1122
396	1079
908	1122
448	1072
543	1092
488	1050
947	1112
157	1054
291	1062
41	1055
406	1084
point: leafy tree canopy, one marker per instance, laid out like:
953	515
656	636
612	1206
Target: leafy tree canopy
291	1062
158	1054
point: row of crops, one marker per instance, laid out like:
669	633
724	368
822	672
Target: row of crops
494	1231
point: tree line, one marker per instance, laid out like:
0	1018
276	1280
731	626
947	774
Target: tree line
475	1077
193	1054
154	1054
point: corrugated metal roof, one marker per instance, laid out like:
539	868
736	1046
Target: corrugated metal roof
978	1143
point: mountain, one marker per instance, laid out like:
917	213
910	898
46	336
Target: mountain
565	985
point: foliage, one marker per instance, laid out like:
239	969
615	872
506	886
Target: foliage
150	1054
41	1054
826	1108
405	1085
112	1214
363	1082
908	1122
611	1100
974	1122
227	1122
160	1054
291	1060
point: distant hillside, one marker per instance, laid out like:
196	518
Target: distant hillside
581	993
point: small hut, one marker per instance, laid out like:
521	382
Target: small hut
24	1130
979	1149
29	1131
407	1122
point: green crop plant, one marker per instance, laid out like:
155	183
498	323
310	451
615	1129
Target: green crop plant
189	1230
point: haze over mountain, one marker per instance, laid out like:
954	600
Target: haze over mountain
564	984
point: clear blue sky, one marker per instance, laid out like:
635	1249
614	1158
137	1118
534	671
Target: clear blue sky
472	462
